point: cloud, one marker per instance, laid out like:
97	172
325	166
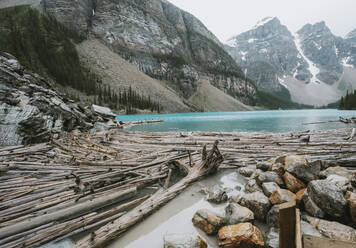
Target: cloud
226	18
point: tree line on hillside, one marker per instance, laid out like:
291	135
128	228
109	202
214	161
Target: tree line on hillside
127	99
47	47
348	102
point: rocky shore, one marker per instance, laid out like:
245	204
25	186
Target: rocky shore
32	111
324	193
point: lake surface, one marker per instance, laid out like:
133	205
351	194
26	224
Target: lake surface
250	121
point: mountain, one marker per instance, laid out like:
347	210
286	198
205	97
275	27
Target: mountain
313	64
166	43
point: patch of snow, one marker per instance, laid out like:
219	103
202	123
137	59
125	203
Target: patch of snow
263	21
336	51
263	50
245	72
345	61
251	40
314	70
317	45
93	12
243	55
231	42
281	81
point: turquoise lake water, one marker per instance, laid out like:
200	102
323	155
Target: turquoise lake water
251	121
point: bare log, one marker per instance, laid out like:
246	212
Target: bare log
113	230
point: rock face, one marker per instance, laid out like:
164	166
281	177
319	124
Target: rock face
257	202
243	235
236	214
307	62
207	221
328	197
333	230
183	241
31	111
162	40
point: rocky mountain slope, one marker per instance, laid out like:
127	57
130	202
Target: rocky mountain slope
31	111
313	64
161	40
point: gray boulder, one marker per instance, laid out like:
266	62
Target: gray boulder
183	241
272	238
208	221
258	203
269	188
252	186
273	217
264	166
311	207
309	229
269	176
300	168
329	197
246	171
235	214
332	229
216	194
340	171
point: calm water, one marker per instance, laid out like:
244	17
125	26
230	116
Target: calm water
253	121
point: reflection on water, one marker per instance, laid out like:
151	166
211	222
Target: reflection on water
254	121
176	216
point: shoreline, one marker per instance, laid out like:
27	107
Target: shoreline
39	179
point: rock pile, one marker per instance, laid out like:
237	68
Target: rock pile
326	197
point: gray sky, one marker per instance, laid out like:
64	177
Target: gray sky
226	18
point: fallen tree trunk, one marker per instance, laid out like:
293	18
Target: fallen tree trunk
66	213
111	231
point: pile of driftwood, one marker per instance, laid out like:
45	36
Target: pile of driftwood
94	183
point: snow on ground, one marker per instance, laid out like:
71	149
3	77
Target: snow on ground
345	61
243	55
251	40
281	81
314	70
231	42
317	94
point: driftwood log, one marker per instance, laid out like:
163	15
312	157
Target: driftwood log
51	178
208	165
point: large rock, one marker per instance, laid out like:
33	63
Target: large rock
299	195
293	183
246	171
243	235
300	168
328	197
308	229
332	229
269	176
257	202
340	171
183	241
216	194
311	207
208	221
251	186
269	188
235	214
272	238
280	196
273	217
103	111
264	166
351	198
31	111
278	168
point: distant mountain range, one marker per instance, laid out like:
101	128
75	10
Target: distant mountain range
316	66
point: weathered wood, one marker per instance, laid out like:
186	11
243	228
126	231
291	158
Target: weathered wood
287	225
317	242
113	230
298	231
65	213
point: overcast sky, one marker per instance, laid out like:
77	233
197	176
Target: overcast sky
226	18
